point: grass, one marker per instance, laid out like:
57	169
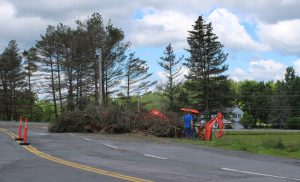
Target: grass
284	144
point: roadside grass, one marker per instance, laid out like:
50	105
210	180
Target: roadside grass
284	144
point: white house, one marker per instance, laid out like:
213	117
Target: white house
234	114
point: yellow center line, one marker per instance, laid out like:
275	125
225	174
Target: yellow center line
75	165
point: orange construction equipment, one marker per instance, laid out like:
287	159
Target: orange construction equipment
25	133
190	110
159	114
207	134
20	129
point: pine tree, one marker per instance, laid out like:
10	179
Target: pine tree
206	68
12	78
169	63
292	85
136	75
31	60
280	110
46	51
108	41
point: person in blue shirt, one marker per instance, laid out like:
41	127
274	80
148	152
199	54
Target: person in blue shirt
188	118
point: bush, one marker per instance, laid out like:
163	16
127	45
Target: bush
247	120
273	143
294	123
68	122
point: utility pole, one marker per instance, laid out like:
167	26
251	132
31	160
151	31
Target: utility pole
99	53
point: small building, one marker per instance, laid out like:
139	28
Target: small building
234	114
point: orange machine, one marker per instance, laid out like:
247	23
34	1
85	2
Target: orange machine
207	134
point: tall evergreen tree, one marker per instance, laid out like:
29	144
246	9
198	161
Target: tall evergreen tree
206	67
289	77
46	51
171	68
136	75
12	78
31	60
113	56
280	110
292	84
109	40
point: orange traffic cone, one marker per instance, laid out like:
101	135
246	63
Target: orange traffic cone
20	129
25	133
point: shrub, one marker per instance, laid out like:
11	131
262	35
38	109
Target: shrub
293	123
247	120
273	143
68	122
293	147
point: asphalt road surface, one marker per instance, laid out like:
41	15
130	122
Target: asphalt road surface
70	157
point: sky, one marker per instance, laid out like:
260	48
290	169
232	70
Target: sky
262	37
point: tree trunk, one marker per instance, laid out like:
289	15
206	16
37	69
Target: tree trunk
30	97
53	88
80	91
70	92
106	89
59	85
128	86
77	87
101	85
96	92
6	99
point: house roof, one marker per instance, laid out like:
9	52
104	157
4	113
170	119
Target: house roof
228	109
232	109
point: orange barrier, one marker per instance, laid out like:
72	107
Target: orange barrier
20	129
25	133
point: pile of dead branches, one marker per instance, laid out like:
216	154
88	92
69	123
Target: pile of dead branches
116	120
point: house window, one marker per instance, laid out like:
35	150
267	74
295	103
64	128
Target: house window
234	115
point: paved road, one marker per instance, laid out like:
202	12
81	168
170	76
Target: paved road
80	157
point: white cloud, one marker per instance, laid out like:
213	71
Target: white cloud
270	11
231	33
25	21
283	36
22	29
239	74
161	28
261	70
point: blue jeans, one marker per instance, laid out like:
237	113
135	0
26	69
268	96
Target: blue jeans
188	132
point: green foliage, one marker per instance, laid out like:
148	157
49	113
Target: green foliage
136	75
183	97
43	111
292	85
68	123
280	108
206	68
273	143
153	100
172	71
248	120
12	80
294	123
256	97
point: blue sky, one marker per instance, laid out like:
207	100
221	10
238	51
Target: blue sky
261	37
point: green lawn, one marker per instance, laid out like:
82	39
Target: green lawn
285	144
